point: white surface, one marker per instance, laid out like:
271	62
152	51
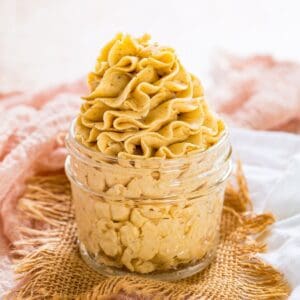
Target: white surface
45	42
272	165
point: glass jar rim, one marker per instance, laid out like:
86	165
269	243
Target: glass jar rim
166	161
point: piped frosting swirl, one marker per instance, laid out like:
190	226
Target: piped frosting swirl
143	103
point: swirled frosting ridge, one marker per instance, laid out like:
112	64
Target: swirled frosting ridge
143	103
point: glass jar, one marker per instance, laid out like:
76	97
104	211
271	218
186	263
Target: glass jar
155	217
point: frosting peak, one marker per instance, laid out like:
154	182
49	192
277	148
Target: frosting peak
143	103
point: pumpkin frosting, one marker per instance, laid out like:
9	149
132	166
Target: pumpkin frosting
143	103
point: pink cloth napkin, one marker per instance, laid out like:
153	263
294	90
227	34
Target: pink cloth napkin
29	134
256	92
30	129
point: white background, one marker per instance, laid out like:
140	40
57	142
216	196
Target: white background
46	41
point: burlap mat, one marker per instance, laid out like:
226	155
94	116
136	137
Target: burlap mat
51	267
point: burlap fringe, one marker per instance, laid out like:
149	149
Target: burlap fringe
45	203
50	211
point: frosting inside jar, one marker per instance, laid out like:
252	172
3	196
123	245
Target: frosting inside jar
137	208
143	103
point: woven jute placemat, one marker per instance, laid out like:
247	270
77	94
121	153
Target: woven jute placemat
51	267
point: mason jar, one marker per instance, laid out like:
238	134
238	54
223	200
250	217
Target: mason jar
153	217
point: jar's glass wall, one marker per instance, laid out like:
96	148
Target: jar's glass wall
145	237
148	217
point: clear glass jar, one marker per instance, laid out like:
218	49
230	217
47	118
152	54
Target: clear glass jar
155	217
